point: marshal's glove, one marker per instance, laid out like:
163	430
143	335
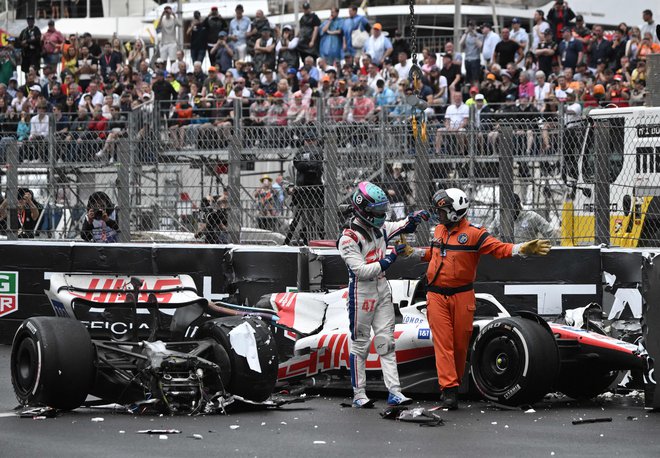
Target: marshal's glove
536	246
407	249
387	261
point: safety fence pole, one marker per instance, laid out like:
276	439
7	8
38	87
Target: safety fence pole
234	189
12	190
506	183
472	144
331	184
124	190
562	134
601	185
52	184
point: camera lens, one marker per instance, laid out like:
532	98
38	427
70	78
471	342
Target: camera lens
98	214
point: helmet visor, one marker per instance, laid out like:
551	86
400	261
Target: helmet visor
378	208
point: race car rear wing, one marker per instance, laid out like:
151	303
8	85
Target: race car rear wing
126	299
102	291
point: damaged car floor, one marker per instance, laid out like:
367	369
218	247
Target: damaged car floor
610	425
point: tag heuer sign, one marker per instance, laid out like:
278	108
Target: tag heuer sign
8	293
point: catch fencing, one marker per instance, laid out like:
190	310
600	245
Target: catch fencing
273	172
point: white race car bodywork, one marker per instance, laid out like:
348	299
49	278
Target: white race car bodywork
325	317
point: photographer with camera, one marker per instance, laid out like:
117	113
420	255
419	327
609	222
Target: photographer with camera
99	224
28	211
223	53
214	219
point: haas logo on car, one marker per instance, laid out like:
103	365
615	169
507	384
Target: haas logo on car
285	300
8	293
107	297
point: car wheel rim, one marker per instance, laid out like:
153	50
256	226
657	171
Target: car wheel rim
499	366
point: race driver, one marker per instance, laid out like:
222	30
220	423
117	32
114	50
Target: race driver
453	258
363	247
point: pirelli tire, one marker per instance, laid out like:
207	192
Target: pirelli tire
514	361
245	382
52	363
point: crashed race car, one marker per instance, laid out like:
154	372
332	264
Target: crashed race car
154	341
513	360
56	363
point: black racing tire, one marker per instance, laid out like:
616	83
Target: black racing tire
244	381
514	361
218	355
52	363
586	382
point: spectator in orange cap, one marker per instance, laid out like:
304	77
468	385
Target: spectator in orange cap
593	96
258	117
378	46
211	82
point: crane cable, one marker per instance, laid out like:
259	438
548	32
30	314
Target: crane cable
415	78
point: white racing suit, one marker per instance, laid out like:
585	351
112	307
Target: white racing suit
370	300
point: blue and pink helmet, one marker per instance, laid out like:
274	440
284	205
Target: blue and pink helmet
370	204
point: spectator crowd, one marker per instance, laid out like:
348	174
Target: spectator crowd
82	91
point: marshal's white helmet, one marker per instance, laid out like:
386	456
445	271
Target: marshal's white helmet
453	201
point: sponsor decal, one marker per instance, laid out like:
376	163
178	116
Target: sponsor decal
58	308
331	353
513	390
118	328
285	301
462	238
424	333
111	283
8	293
648	130
412	319
549	297
285	304
351	234
374	255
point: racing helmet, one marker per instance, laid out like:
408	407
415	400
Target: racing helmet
453	201
370	204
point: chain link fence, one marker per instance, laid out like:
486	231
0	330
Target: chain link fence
278	170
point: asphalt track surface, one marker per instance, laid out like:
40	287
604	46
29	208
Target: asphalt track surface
320	427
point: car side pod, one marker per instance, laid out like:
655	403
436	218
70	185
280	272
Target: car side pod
514	361
52	362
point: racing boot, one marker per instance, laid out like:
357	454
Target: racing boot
448	398
362	403
398	399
